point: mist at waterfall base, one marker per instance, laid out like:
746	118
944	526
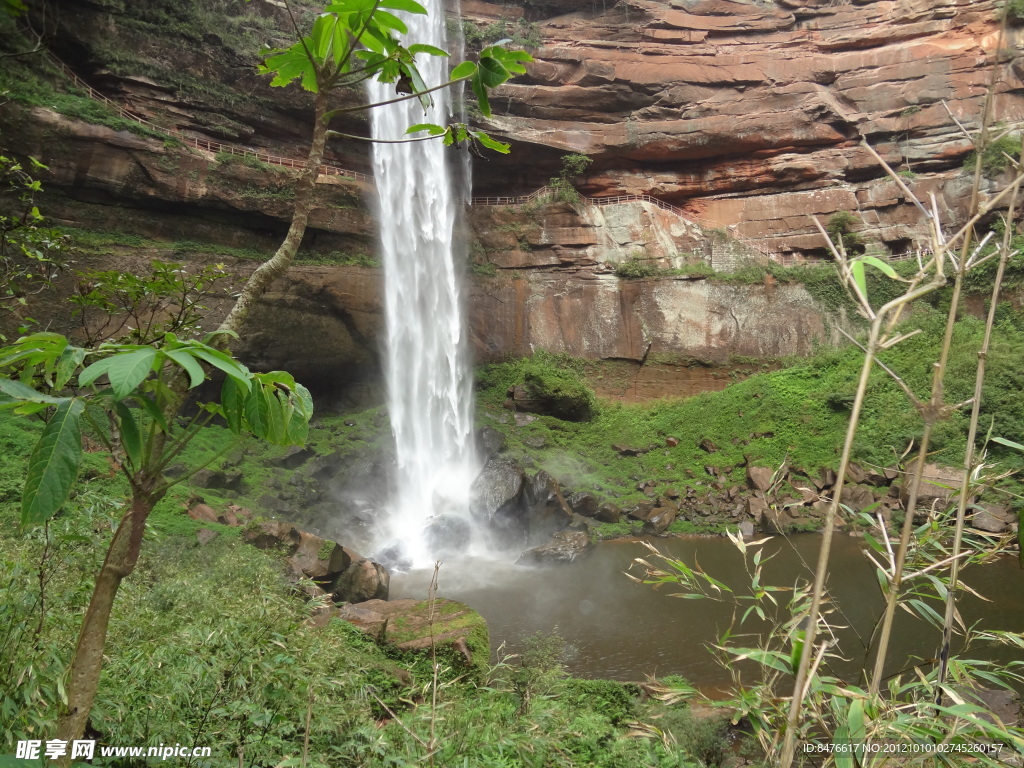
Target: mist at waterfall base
427	369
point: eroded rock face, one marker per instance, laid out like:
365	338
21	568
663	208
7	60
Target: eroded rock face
749	114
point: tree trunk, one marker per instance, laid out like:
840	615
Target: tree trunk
305	188
84	673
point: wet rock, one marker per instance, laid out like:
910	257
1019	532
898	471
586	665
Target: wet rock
394	556
522	419
496	489
659	520
489	443
746	529
562	547
759	478
708	445
584	503
362	580
546	509
641	511
608	513
293	458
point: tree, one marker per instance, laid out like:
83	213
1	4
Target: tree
135	413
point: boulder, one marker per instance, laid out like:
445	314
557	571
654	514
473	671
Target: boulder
659	520
293	458
938	486
857	497
448	535
608	513
584	503
641	511
993	518
456	632
759	478
546	510
363	580
497	488
215	480
562	547
489	443
203	513
307	555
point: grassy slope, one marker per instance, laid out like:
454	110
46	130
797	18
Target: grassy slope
797	414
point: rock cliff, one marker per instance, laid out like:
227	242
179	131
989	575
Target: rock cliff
749	115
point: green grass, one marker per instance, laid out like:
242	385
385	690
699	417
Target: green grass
797	414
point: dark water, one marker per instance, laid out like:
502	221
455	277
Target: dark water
621	630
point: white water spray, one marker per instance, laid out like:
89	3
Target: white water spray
429	382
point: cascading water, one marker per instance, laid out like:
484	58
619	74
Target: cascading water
430	385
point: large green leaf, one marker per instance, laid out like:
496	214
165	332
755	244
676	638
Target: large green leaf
183	357
126	370
232	402
53	464
18	393
131	436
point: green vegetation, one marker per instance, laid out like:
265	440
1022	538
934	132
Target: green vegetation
1014	10
40	85
995	159
573	166
249	161
840	229
520	33
797	414
636	267
561	389
211	645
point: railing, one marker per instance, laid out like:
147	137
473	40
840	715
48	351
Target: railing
215	147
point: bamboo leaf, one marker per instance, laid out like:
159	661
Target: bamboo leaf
857	270
53	464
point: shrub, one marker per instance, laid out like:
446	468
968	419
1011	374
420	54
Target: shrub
634	268
994	158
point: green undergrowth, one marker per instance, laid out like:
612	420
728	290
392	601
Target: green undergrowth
210	645
796	415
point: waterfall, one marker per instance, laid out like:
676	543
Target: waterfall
429	381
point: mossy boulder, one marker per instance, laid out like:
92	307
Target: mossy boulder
457	632
552	391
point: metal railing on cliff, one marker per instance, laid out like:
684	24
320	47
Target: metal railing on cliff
216	147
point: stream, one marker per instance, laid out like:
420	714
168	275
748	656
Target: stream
617	629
